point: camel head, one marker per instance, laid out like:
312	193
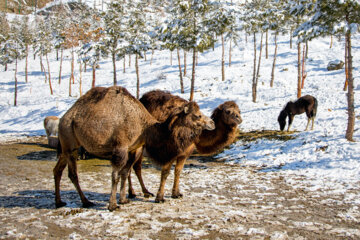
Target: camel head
227	113
189	115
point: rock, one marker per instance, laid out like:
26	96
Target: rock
335	65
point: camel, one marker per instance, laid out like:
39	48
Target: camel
226	117
112	124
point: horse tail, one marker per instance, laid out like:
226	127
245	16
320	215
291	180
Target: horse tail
314	111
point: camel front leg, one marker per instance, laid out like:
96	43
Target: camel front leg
178	168
165	171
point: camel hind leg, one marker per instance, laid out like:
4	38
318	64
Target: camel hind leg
72	172
137	169
118	162
58	170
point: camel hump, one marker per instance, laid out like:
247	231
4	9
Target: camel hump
161	104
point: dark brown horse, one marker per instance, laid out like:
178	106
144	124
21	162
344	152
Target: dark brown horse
306	104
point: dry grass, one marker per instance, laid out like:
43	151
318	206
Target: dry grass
268	134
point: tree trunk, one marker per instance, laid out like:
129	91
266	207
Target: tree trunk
331	41
114	68
124	65
266	45
15	90
350	94
222	58
346	68
129	60
152	57
61	60
184	62
47	60
72	77
303	73
170	58
26	63
180	72
274	62
93	75
299	71
258	68
41	64
137	77
193	76
230	49
254	72
291	39
80	78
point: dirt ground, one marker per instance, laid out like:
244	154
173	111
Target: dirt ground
221	201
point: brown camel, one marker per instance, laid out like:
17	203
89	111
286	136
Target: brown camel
112	124
226	117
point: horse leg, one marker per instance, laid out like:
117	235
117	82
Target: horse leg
312	123
291	118
165	171
58	170
72	173
307	125
118	161
178	168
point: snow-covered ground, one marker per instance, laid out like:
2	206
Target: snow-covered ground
323	155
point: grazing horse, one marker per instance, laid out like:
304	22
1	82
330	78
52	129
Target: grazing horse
306	104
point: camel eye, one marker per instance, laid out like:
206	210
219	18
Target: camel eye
228	111
197	117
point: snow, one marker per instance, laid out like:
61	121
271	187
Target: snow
323	156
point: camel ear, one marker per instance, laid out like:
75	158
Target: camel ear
186	109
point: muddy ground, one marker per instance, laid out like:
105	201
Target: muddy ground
221	201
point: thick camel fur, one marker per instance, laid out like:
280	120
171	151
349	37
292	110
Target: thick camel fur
112	124
226	116
51	125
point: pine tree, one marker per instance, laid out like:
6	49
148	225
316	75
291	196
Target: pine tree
188	29
16	50
4	37
115	32
26	34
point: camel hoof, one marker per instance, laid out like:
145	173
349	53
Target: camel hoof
88	204
148	194
178	195
131	195
113	207
124	201
60	204
158	200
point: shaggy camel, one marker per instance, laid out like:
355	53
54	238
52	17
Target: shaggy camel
112	124
226	117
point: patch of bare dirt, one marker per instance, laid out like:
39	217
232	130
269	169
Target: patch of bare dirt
220	202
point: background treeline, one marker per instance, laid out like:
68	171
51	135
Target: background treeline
123	29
